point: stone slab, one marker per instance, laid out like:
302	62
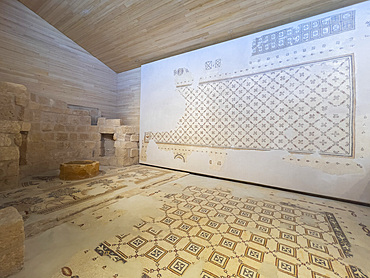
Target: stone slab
11	241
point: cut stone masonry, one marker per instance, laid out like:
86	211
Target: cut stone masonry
37	134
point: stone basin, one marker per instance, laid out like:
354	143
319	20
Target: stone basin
78	170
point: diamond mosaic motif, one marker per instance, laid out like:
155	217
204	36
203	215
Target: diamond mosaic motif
288	236
258	239
263	229
265	219
207	274
178	266
193	248
137	242
317	246
172	238
234	245
241	222
204	235
272	110
156	253
246	271
320	261
254	254
195	218
179	212
184	227
227	243
286	267
286	249
213	224
168	220
218	259
234	231
313	233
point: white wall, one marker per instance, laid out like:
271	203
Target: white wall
286	107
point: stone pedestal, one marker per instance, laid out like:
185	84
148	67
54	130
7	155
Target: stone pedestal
11	241
78	170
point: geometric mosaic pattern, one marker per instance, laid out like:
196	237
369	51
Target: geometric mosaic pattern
234	242
304	108
305	32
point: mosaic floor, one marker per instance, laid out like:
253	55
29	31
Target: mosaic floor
51	198
193	226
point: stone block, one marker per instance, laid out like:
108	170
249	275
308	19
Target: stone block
59	127
36	136
47	126
126	129
92	128
25	126
48	117
9	153
18	139
101	121
121	152
62	119
106	130
73	120
84	136
35	127
95	137
134	152
5	140
73	136
11	241
9	127
81	128
48	136
70	128
85	120
113	122
62	136
127	137
22	100
134	138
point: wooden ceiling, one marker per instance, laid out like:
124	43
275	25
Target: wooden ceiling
125	34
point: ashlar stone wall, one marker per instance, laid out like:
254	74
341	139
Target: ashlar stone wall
37	134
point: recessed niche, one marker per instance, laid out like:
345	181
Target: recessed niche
107	145
23	149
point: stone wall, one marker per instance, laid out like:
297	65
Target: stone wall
38	133
125	143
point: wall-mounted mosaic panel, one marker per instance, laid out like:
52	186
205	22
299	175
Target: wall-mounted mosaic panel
293	99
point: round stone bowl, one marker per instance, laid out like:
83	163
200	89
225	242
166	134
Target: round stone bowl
78	170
